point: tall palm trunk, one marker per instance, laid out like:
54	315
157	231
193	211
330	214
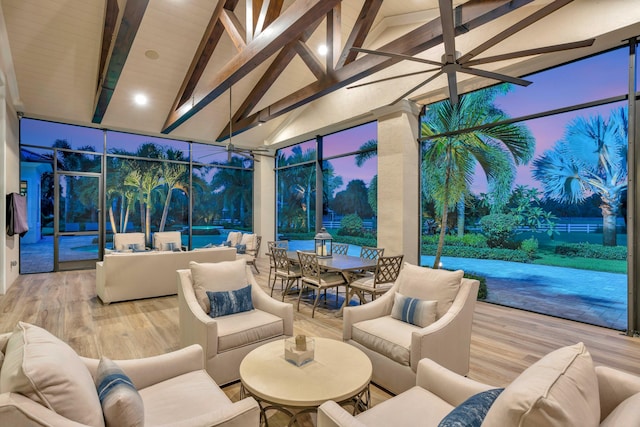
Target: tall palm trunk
165	211
445	211
461	207
609	216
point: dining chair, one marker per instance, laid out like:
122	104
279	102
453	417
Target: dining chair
378	282
270	245
340	248
367	252
284	270
313	276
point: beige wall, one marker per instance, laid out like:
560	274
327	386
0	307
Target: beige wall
9	182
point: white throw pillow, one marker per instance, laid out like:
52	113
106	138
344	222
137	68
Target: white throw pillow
431	285
46	370
249	240
561	389
220	276
234	237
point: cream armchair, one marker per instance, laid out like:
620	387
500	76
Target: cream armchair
227	339
561	389
168	240
395	347
174	387
123	241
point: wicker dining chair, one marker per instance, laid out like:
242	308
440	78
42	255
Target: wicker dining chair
313	276
284	270
379	282
340	248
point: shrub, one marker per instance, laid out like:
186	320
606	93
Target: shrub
499	229
515	255
470	239
589	250
483	293
351	225
530	246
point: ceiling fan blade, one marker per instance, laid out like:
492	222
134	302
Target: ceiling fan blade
453	87
430	79
495	76
393	78
397	56
529	52
448	30
534	17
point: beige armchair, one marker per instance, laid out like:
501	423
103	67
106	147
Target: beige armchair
174	387
167	240
561	389
227	339
395	347
123	241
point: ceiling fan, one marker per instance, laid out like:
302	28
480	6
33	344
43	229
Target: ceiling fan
454	62
232	149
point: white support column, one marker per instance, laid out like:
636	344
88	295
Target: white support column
264	200
398	180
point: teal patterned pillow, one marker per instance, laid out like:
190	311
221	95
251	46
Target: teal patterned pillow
120	400
241	249
230	302
472	411
413	310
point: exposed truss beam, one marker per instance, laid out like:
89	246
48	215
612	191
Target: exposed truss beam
359	32
469	15
276	68
208	44
131	18
310	59
334	37
270	10
234	29
288	26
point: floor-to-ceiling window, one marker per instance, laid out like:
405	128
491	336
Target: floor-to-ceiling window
84	184
347	199
540	208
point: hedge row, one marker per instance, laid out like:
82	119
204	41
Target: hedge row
588	250
479	253
470	239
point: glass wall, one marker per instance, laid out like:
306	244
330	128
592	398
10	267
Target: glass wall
148	184
536	203
348	197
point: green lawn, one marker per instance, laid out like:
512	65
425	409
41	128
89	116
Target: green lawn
611	266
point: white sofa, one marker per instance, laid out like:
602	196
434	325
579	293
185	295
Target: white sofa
128	276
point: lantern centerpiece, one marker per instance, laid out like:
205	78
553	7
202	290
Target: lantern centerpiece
324	247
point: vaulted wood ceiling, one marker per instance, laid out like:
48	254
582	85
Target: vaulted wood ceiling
82	62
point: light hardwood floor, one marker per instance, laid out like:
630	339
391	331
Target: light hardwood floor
504	341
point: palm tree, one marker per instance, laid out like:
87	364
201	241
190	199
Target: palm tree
234	186
369	150
449	161
590	159
174	177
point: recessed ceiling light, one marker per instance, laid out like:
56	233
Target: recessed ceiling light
322	49
152	54
140	99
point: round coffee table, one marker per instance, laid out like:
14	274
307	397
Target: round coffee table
339	372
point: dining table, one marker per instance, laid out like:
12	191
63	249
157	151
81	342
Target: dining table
348	265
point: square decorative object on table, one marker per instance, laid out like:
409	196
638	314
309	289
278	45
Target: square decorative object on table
299	350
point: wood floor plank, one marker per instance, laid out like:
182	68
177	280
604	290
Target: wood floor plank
504	341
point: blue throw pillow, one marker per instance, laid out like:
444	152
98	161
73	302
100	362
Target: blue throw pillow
230	302
472	411
137	247
241	249
121	403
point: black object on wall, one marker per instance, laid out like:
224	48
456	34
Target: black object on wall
17	215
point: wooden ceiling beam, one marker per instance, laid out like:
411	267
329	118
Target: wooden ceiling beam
469	15
359	32
276	68
285	28
234	29
334	37
208	44
270	10
110	21
310	59
130	22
